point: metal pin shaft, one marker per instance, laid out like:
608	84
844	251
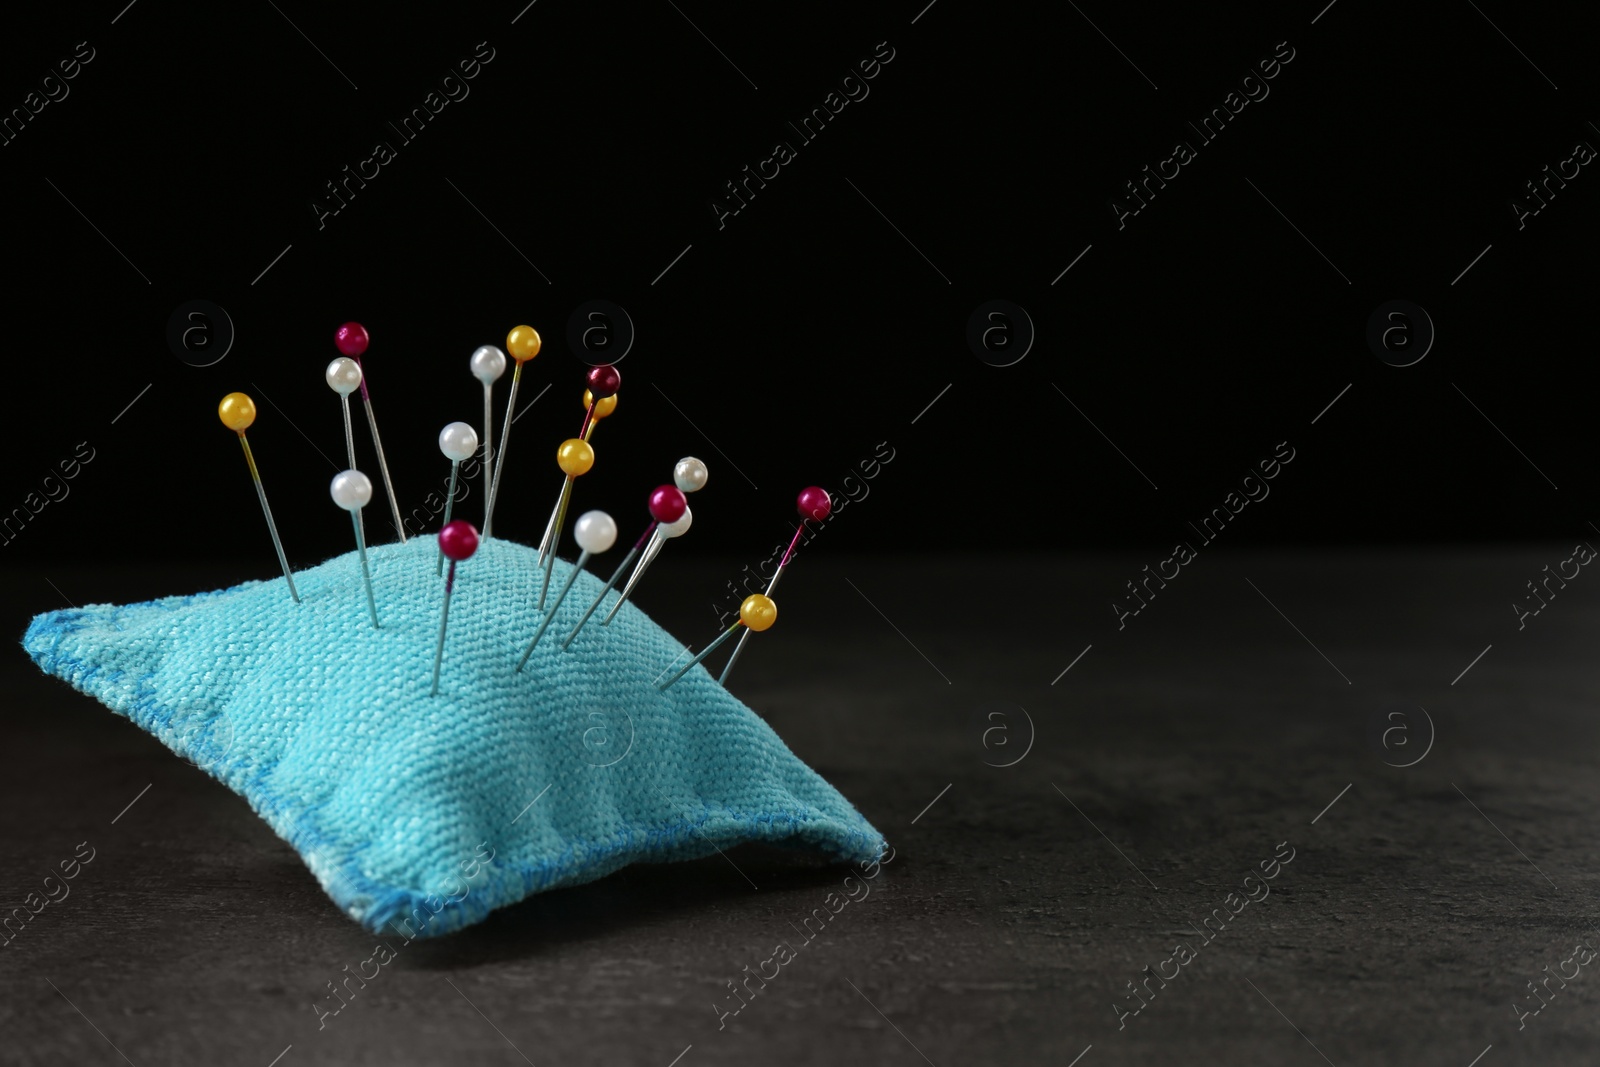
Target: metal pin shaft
722	679
349	437
567	585
449	505
505	443
366	575
555	539
650	552
634	551
383	468
444	621
771	585
488	450
551	531
712	647
266	509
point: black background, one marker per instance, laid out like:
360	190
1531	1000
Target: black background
825	325
808	330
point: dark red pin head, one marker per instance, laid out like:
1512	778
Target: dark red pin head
814	503
604	381
351	339
667	504
458	540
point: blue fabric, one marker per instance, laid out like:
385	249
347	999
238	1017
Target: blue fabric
397	801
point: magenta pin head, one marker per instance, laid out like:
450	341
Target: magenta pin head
458	540
603	381
814	503
667	504
351	339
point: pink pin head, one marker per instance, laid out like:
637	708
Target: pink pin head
351	339
667	504
458	540
604	381
814	503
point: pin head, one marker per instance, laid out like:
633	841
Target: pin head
603	406
488	363
690	474
344	375
814	503
351	338
758	612
667	504
237	411
351	490
595	531
458	540
604	380
458	441
679	528
523	343
575	457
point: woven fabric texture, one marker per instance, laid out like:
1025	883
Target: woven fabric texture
423	814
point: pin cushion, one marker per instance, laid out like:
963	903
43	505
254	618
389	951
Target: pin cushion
410	808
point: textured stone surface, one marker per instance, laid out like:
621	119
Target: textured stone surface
1190	745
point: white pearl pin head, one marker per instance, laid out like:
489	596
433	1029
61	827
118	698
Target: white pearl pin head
351	490
690	474
488	364
595	531
458	441
344	376
679	528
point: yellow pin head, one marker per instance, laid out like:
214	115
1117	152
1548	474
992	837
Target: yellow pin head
575	457
606	406
237	411
523	343
758	612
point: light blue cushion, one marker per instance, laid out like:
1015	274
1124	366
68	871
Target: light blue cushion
395	799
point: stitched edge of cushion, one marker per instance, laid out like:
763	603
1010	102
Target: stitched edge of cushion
676	842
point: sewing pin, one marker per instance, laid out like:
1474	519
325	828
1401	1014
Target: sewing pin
459	540
237	411
632	552
523	344
757	613
488	364
604	381
351	339
344	377
458	441
689	475
595	532
667	500
574	457
602	408
352	491
812	503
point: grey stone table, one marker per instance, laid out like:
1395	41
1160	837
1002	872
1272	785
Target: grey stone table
1057	832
